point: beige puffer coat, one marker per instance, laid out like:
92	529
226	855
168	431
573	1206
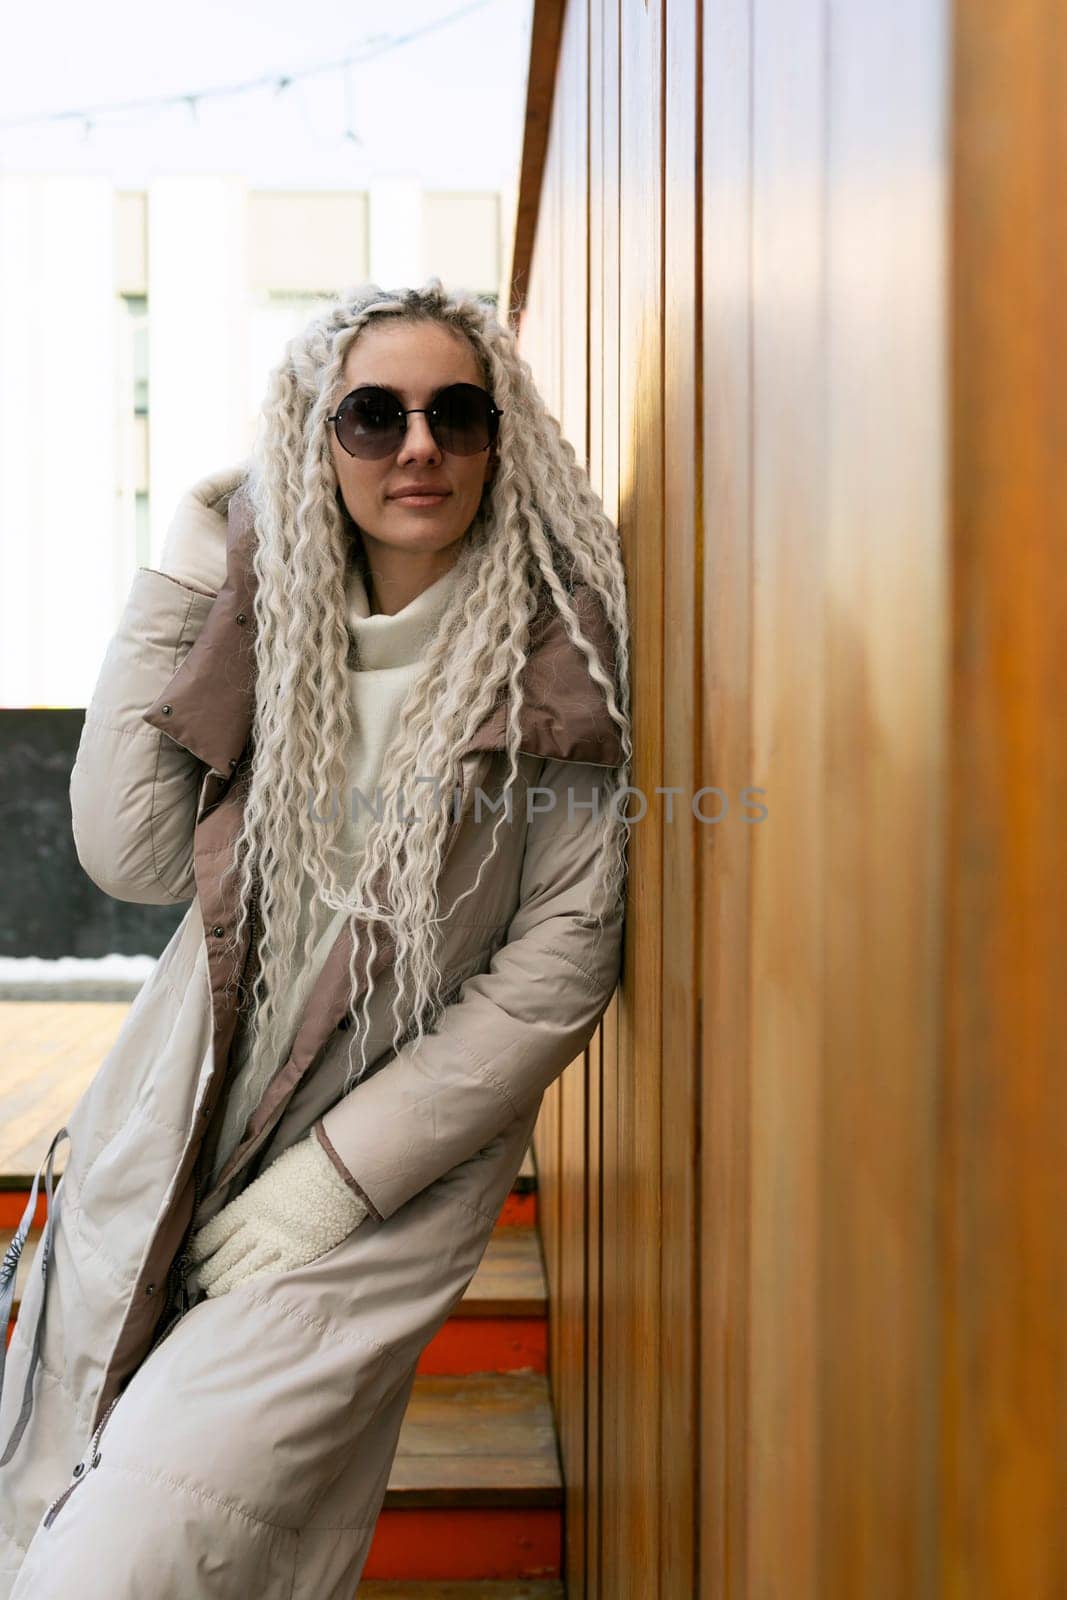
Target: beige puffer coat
245	1447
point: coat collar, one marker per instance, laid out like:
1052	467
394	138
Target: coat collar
208	704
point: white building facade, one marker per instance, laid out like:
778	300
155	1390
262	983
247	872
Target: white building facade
137	333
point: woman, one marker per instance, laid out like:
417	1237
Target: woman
285	1172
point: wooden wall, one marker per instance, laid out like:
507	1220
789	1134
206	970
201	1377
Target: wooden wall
796	293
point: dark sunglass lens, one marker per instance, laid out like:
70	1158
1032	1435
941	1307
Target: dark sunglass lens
461	417
370	422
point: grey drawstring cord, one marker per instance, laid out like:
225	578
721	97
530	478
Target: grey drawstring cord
8	1271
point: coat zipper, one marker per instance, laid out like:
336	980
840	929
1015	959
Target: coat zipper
81	1469
178	1292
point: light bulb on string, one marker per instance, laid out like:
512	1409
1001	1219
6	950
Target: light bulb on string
297	98
350	132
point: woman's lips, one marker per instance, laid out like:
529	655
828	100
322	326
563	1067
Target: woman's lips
419	499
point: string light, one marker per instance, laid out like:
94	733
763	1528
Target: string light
373	45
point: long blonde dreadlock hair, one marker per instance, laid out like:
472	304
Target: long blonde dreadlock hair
540	527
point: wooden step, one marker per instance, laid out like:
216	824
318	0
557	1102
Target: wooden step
510	1280
486	1439
475	1489
501	1323
423	1545
461	1589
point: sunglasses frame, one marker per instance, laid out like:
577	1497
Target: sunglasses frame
495	412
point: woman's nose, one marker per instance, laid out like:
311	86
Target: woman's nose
418	441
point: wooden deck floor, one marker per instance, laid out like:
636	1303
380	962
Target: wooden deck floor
49	1050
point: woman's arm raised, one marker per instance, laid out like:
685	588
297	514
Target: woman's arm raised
134	791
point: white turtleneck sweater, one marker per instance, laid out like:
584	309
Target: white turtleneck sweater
390	650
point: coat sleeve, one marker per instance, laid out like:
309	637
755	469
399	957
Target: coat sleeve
510	1032
134	792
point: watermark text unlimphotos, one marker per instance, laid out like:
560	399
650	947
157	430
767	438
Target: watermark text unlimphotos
708	805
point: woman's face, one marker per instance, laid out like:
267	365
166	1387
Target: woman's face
412	359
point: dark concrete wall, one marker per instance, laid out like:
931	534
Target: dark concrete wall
49	907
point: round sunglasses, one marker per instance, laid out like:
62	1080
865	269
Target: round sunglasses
371	423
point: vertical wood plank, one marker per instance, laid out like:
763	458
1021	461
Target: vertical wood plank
547	349
726	761
569	1387
883	801
684	840
641	523
611	1553
600	1061
785	928
1004	1176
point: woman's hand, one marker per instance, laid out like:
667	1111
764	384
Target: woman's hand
298	1208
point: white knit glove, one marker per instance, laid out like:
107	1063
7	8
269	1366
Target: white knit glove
298	1208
